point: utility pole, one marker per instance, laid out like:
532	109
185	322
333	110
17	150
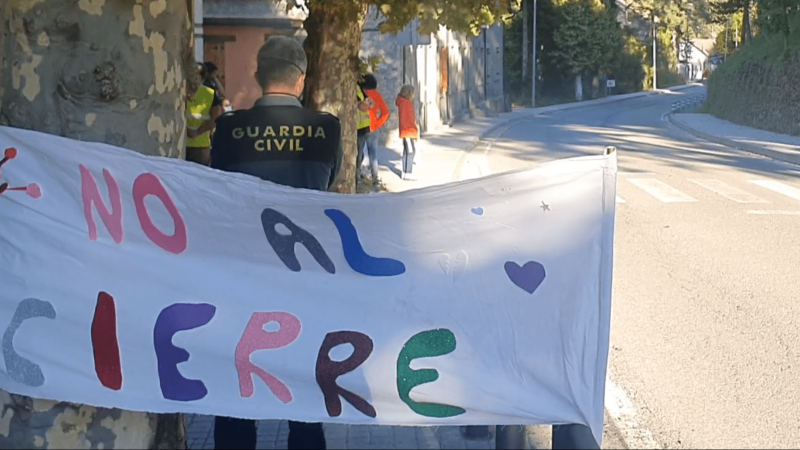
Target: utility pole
655	48
524	40
533	69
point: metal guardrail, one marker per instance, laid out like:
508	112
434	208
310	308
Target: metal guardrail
692	104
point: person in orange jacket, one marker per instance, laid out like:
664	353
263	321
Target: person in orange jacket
378	115
409	131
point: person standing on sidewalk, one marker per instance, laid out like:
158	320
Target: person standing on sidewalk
246	143
202	111
378	115
409	130
364	105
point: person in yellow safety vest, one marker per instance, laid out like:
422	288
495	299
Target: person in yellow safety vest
364	105
202	111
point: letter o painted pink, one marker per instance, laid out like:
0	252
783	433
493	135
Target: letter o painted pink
148	184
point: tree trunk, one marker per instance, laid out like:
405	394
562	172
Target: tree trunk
97	70
108	71
524	41
747	33
332	46
578	88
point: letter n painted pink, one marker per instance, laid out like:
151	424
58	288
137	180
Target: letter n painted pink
91	196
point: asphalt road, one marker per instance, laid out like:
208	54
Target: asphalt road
706	282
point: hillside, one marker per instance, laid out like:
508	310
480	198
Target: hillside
760	85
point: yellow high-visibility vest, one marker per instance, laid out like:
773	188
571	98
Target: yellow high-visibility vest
198	111
363	116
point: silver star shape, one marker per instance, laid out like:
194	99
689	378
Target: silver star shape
545	206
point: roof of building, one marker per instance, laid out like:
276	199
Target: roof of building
254	12
704	45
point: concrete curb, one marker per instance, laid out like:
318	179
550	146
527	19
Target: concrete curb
529	113
755	149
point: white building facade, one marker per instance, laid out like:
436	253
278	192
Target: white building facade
456	77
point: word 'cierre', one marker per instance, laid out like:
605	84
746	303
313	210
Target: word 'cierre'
183	316
269	136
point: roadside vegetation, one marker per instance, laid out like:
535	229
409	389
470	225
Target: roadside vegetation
758	83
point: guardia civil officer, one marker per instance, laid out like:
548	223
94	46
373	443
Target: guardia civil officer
280	141
277	139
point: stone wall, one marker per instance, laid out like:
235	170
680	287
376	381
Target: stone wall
759	93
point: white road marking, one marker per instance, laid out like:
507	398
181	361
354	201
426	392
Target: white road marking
620	200
623	411
761	212
728	191
778	187
661	190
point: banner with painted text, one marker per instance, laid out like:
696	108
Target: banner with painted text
158	285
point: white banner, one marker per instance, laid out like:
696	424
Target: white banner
159	285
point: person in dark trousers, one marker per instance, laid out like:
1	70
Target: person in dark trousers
409	129
378	115
308	155
364	122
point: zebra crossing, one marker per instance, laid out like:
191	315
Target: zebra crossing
749	191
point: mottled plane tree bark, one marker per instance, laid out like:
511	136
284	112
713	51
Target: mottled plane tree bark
108	71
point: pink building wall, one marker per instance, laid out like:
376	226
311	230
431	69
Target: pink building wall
240	62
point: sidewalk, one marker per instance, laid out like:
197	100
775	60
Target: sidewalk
444	150
766	143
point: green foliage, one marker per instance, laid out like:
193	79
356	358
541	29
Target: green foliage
369	64
669	78
648	78
671	14
518	88
722	10
777	18
564	51
630	66
667	57
763	74
728	39
587	38
466	16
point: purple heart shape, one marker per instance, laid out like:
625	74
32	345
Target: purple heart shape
528	277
